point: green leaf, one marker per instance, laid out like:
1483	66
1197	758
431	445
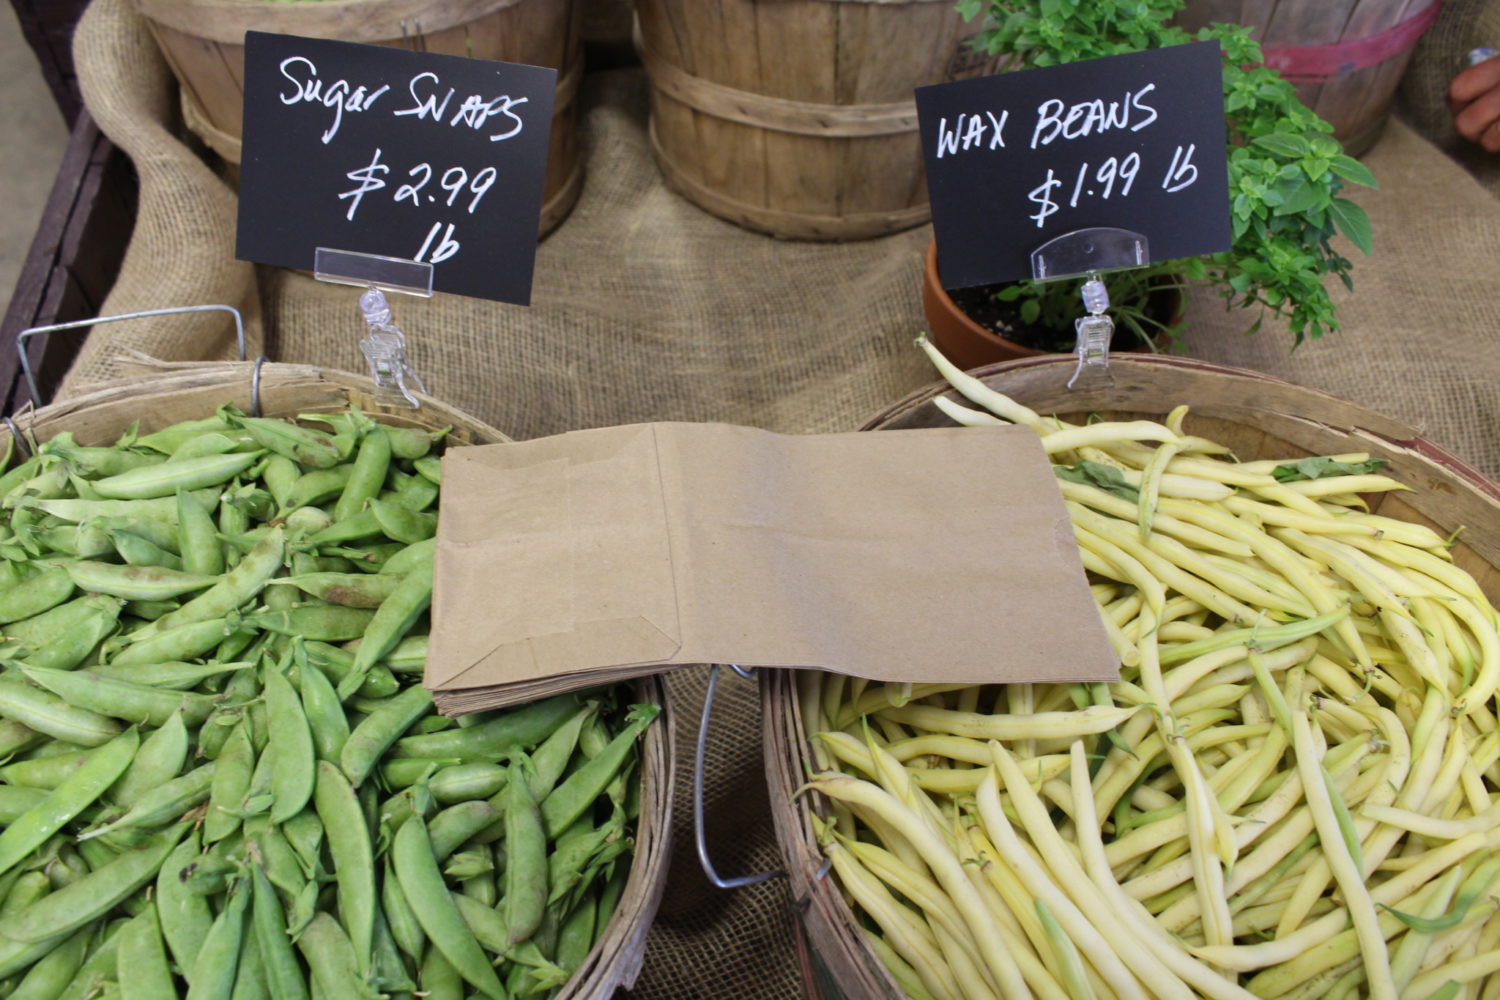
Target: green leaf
1321	467
1031	311
1353	171
1353	223
1103	477
1283	144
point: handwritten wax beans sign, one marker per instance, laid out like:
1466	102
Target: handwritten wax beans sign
1133	141
387	151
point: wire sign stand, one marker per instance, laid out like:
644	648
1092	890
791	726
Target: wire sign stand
384	347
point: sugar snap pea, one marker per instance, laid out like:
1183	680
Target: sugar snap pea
100	966
41	593
64	652
134	582
525	896
283	975
52	973
162	804
160	758
47	713
331	959
231	780
196	537
353	590
119	699
405	927
138	550
40	629
168	673
240	584
301	444
402	523
182	642
250	975
353	859
325	716
15	800
144	972
164	479
321	623
576	792
213	972
378	731
162	534
440	980
366	476
434	906
75	794
410	442
293	756
84	901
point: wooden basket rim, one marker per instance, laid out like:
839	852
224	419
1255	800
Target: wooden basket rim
226	21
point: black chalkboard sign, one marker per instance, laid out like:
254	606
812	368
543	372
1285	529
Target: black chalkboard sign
388	151
1133	142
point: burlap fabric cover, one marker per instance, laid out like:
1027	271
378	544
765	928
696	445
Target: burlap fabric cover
647	308
1462	25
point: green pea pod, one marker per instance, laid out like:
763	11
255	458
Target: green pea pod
335	663
95	894
162	804
293	757
353	859
213	971
278	474
431	468
240	584
412	492
79	511
440	980
42	592
76	793
525	896
305	562
331	959
99	968
520	727
118	699
68	650
461	822
283	974
465	865
367	476
391	974
411	443
352	529
183	642
390	623
305	521
232	770
550	759
459	782
16	800
169	439
14	737
317	486
575	939
197	539
405	927
373	736
52	973
160	758
144	972
40	629
304	832
137	550
401	524
84	541
319	622
165	479
352	590
175	674
413	556
162	534
325	716
485	922
579	790
47	713
250	981
434	906
44	772
280	861
609	899
210	443
136	583
184	916
301	444
369	557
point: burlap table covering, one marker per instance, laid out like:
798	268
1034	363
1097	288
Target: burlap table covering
646	308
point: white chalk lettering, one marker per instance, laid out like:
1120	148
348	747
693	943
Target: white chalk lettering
427	104
1135	101
339	96
1056	119
969	132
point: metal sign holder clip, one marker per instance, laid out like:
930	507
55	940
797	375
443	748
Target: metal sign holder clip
385	347
1088	253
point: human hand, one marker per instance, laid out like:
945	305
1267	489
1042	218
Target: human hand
1474	100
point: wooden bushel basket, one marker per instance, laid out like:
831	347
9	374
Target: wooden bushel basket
795	117
203	42
1345	56
1255	415
185	391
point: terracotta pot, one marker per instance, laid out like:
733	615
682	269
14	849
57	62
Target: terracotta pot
965	342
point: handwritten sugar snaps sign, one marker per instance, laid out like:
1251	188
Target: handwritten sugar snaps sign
1133	141
387	151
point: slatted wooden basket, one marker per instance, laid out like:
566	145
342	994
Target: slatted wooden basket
203	42
796	118
1345	56
190	390
1258	417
